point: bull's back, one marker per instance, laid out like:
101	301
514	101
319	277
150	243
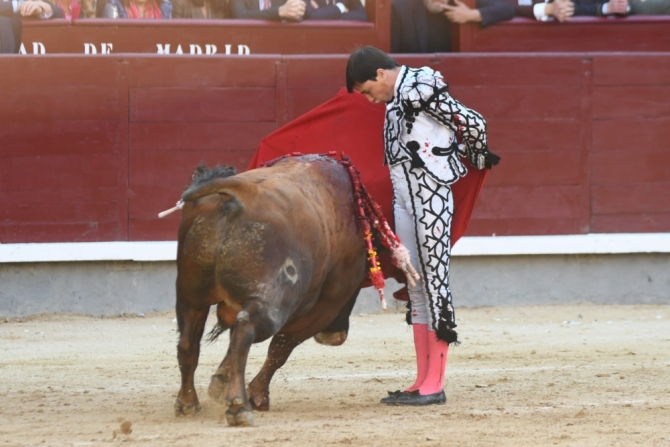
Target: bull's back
312	190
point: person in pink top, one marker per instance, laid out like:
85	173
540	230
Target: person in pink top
137	9
76	9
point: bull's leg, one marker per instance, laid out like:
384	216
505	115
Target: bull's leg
218	384
279	351
191	326
253	324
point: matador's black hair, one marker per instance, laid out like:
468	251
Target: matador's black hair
364	63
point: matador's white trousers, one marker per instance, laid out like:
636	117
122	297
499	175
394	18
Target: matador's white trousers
423	211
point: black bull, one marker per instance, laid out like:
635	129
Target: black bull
280	253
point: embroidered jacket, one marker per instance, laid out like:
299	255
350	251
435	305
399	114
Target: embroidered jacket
431	129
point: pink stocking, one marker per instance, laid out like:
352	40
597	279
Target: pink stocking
437	365
421	347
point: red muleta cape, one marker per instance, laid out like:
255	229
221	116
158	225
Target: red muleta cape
351	124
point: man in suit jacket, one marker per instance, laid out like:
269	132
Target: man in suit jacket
293	10
424	26
336	10
198	9
563	10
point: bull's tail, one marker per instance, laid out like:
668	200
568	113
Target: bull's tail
217	330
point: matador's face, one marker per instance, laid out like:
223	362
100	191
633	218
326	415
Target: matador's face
380	90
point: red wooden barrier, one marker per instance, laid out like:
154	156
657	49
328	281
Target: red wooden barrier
92	148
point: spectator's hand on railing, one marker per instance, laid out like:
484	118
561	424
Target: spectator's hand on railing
619	7
35	8
292	10
461	13
562	10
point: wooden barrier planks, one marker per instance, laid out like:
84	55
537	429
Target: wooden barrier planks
215	111
96	151
62	150
630	185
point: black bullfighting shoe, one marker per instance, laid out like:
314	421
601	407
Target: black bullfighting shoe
416	399
393	396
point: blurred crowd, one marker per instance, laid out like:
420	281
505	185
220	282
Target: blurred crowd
424	26
280	10
417	26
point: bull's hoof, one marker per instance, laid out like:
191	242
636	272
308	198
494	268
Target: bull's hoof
218	388
260	402
181	409
241	417
331	338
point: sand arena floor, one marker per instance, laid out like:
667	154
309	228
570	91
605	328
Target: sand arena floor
577	375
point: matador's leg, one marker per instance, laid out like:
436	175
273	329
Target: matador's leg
433	210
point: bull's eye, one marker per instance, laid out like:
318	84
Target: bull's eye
290	270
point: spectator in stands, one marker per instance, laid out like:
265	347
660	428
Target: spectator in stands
296	10
649	7
199	9
563	10
74	9
560	10
11	13
291	10
137	9
600	8
487	12
336	10
425	26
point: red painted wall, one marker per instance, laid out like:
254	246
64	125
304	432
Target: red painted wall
91	149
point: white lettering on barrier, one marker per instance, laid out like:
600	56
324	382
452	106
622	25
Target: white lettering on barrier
197	49
107	48
38	48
